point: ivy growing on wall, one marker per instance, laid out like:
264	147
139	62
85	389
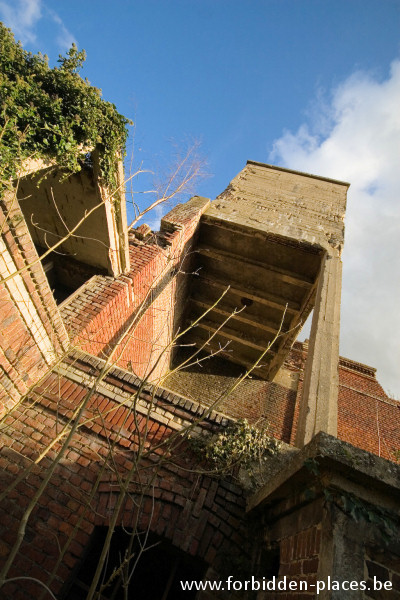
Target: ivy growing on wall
53	113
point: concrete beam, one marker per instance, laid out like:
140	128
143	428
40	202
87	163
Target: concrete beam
231	334
271	327
251	292
282	274
374	476
286	203
228	350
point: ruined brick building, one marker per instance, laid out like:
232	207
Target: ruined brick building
97	385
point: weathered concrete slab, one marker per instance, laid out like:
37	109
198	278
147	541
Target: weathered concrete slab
334	461
260	250
288	203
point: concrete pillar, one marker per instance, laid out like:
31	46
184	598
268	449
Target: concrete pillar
318	409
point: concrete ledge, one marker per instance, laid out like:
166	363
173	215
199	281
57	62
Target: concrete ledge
285	170
335	463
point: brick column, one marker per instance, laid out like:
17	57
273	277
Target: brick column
318	408
32	333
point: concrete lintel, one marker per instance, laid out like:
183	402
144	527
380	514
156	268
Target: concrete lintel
245	263
335	458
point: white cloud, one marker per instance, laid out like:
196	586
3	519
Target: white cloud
362	146
21	16
64	38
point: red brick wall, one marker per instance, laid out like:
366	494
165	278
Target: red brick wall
22	362
259	401
134	316
196	513
299	561
367	417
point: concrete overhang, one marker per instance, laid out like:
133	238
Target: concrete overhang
333	464
260	248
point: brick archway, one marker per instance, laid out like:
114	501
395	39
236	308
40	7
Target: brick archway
183	528
198	514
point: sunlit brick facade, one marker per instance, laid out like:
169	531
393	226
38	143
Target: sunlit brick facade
85	385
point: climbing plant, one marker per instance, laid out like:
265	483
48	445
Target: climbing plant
53	113
240	444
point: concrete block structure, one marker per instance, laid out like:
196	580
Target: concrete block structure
119	345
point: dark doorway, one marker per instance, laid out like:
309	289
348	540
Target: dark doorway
155	571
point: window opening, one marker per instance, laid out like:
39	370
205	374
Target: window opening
52	208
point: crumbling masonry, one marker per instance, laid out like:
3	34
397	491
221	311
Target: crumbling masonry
88	329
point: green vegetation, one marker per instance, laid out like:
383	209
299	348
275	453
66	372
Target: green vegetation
239	445
54	113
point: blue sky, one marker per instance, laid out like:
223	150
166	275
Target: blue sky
312	85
